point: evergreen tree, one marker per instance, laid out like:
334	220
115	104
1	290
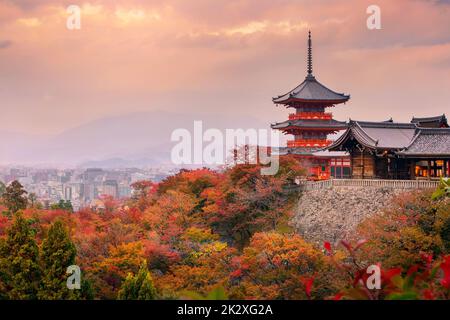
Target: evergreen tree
138	287
14	197
62	205
19	268
2	188
57	253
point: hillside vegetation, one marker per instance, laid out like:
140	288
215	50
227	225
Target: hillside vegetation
203	231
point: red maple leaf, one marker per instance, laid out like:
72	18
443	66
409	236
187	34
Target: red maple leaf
308	283
338	296
428	294
236	273
427	258
389	274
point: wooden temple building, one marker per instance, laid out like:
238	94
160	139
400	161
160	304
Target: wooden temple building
419	149
310	124
389	150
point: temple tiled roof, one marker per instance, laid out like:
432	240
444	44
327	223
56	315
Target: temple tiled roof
312	124
404	139
431	122
378	135
432	142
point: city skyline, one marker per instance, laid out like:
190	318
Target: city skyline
81	187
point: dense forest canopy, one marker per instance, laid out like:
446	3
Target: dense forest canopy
203	231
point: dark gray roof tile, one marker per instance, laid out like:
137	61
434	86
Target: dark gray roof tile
405	139
313	123
429	142
312	90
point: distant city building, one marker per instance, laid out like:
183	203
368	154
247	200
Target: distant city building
68	193
124	191
110	188
92	173
82	187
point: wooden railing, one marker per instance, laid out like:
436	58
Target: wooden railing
394	184
308	143
315	185
311	115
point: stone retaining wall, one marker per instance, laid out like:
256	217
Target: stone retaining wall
330	214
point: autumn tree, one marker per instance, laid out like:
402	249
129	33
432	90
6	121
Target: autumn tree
415	223
19	261
172	213
247	202
142	195
57	253
112	270
203	269
277	266
15	197
138	287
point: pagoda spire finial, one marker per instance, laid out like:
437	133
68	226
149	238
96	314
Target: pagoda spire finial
310	68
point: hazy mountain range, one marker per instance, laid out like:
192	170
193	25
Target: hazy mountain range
137	139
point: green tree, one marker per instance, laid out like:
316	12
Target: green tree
442	190
15	197
2	188
19	268
62	205
57	253
138	287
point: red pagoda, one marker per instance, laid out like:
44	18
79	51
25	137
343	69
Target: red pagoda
310	124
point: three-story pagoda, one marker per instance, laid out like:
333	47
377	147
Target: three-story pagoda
310	124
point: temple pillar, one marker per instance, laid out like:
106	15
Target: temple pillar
362	164
412	170
429	170
445	168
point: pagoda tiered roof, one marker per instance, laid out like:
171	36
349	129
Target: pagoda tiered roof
311	90
311	124
299	151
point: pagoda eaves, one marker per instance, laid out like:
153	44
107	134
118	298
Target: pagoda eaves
321	125
311	91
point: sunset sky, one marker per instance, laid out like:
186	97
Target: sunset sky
217	57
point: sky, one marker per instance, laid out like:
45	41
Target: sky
217	57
